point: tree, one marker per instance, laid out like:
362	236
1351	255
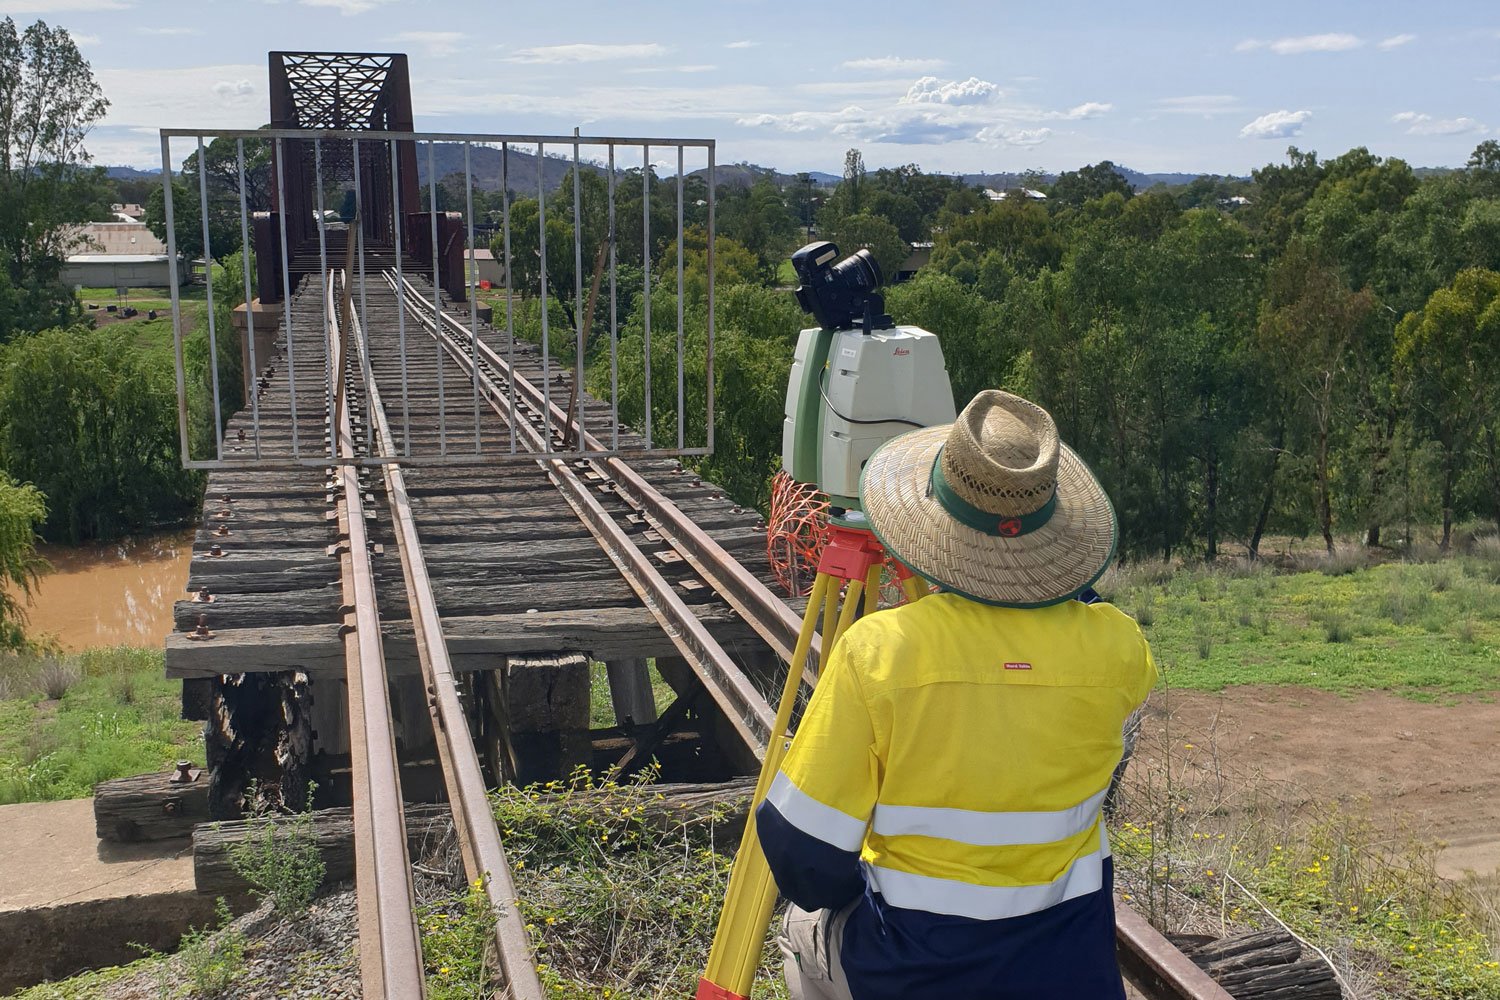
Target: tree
854	175
1308	320
853	232
48	103
1449	357
22	510
92	422
1075	187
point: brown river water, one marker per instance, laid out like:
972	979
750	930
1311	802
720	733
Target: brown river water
114	594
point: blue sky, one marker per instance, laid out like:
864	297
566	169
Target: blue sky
952	86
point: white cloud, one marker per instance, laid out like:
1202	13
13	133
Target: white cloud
1488	79
1001	135
58	6
86	39
1089	109
697	68
168	32
228	90
895	64
1276	125
913	130
583	52
1395	42
346	7
1207	105
931	90
1422	124
742	44
434	43
1315	43
1299	44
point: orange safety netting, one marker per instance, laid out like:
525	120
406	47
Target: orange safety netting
794	533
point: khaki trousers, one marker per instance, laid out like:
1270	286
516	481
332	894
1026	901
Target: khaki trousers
810	944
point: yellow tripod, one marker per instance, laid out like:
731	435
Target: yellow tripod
851	555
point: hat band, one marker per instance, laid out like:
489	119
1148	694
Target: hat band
986	521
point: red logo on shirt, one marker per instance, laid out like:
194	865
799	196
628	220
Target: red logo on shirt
1018	666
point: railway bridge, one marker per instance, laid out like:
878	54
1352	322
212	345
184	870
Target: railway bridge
427	549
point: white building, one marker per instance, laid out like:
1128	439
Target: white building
118	255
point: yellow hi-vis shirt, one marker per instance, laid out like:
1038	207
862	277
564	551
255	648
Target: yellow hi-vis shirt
965	751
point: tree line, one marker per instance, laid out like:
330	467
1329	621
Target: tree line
1311	351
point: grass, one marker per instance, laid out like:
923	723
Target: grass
117	715
1421	630
618	906
602	709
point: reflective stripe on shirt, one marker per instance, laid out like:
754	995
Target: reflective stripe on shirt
986	902
813	817
987	829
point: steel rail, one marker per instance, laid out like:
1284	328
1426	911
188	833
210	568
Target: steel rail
1157	965
479	839
756	603
390	945
745	708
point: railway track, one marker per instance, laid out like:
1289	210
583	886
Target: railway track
668	561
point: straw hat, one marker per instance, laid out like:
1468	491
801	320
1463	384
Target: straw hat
993	506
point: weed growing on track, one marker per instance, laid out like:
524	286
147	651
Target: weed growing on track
281	859
457	945
621	903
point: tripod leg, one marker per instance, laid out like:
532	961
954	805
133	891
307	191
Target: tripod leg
830	622
751	893
872	589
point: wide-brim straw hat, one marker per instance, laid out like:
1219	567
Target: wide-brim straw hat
992	506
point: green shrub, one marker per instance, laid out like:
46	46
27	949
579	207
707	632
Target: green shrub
281	860
213	958
92	423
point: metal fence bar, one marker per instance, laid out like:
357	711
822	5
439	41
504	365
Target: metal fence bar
541	221
323	278
579	307
422	443
252	376
400	302
510	326
208	279
708	364
455	137
359	236
614	319
437	299
681	234
646	272
286	292
172	279
471	264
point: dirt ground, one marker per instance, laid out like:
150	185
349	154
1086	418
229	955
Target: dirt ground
1434	768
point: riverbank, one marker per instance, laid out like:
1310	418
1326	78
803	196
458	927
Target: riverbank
70	721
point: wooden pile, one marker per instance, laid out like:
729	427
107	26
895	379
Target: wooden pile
1264	965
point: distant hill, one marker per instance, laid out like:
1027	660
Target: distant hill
131	174
746	174
521	167
1136	179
